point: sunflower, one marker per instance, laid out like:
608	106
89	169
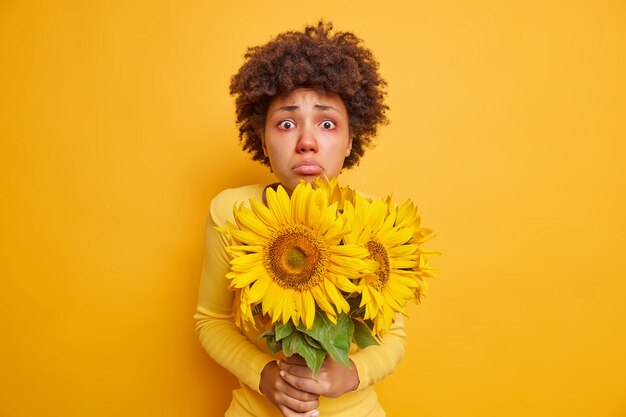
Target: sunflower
287	259
386	290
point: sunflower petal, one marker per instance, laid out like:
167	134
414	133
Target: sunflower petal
288	306
402	250
309	308
258	289
397	237
277	205
247	278
300	203
263	213
250	221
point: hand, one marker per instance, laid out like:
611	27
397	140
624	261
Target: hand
290	401
332	380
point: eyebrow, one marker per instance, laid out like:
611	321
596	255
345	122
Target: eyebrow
292	108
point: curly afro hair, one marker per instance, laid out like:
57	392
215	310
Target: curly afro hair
319	58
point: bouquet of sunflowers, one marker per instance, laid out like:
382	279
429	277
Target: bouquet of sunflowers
324	268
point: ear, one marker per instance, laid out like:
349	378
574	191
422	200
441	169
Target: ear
349	148
264	146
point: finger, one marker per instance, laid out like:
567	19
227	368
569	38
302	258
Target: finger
296	406
303	384
286	412
297	370
295	393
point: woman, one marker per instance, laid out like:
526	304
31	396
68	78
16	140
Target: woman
308	104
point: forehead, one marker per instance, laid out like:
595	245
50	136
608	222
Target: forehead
308	97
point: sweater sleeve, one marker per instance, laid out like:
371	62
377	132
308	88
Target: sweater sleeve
376	362
215	326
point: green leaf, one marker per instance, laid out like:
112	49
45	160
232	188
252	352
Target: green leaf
296	343
313	357
283	329
290	343
334	338
312	342
273	345
362	335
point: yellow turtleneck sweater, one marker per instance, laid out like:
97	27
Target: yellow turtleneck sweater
244	355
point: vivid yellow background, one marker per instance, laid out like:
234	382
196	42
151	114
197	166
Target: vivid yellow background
508	128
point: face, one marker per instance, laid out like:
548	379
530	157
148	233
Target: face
306	135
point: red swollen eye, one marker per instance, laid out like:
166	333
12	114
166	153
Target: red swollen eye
328	124
286	125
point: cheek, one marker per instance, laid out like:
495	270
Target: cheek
269	145
275	153
339	156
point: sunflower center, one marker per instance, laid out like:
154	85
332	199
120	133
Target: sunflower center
296	257
379	254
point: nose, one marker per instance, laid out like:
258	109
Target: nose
307	141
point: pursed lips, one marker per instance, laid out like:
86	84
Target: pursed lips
308	167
